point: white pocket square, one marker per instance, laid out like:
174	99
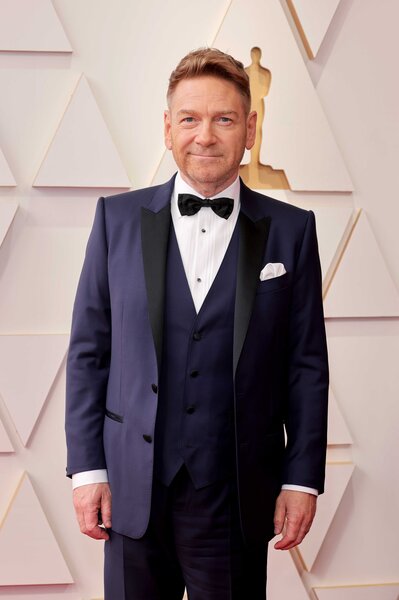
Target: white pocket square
272	270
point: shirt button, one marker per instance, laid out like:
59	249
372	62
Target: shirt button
194	373
196	336
154	388
203	230
147	438
190	410
199	279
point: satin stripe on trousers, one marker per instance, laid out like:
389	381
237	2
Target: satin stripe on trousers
194	541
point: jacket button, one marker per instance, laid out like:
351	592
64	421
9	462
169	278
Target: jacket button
194	373
190	410
196	336
154	388
147	438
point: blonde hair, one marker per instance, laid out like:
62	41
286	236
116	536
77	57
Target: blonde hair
214	62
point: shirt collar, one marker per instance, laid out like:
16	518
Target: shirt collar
181	187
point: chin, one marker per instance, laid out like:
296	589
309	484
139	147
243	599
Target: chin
205	175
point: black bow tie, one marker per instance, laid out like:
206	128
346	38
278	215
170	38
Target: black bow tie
190	205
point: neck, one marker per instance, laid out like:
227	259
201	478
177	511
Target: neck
209	188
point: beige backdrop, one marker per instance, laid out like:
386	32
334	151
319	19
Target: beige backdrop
82	93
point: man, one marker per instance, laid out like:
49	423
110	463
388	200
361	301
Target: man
197	337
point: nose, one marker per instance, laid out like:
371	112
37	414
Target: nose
205	135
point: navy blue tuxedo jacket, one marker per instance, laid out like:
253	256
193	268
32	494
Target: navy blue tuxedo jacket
280	364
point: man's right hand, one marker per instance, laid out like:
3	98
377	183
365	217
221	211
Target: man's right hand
89	501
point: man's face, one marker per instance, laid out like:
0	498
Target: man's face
207	129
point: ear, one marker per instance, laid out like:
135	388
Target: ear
251	129
167	129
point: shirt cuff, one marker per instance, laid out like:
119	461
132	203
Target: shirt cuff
87	477
300	488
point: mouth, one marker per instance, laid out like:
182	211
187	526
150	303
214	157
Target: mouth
206	156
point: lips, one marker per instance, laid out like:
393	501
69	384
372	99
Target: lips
205	156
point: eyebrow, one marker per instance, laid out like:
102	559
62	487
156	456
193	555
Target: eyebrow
184	111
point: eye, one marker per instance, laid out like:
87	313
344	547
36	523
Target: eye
188	121
224	120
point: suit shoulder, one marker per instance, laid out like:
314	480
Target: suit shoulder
283	213
132	199
279	207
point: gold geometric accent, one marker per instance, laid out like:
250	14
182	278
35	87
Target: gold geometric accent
255	174
299	137
371	591
362	285
312	19
341	251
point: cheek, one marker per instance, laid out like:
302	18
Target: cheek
181	142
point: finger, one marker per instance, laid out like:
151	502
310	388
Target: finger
291	535
106	510
88	523
98	533
279	517
91	527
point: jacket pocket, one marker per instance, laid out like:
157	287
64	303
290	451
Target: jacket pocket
274	284
113	416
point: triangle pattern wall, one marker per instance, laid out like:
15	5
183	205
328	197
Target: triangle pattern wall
332	224
283	575
313	18
6	177
29	366
36	295
29	552
361	592
5	443
8	209
82	152
39	30
362	285
337	478
338	433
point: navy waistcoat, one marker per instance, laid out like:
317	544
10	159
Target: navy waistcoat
195	418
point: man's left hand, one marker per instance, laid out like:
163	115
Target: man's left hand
293	517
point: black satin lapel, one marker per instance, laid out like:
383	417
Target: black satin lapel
154	239
253	238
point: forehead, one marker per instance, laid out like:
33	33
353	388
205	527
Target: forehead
205	91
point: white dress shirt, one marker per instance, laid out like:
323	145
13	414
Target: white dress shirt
203	239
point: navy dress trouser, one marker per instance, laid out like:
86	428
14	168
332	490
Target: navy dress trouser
193	540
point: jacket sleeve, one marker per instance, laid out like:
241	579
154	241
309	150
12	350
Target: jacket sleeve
89	356
307	394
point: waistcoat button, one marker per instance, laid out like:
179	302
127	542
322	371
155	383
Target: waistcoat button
196	336
147	438
194	373
190	410
154	388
